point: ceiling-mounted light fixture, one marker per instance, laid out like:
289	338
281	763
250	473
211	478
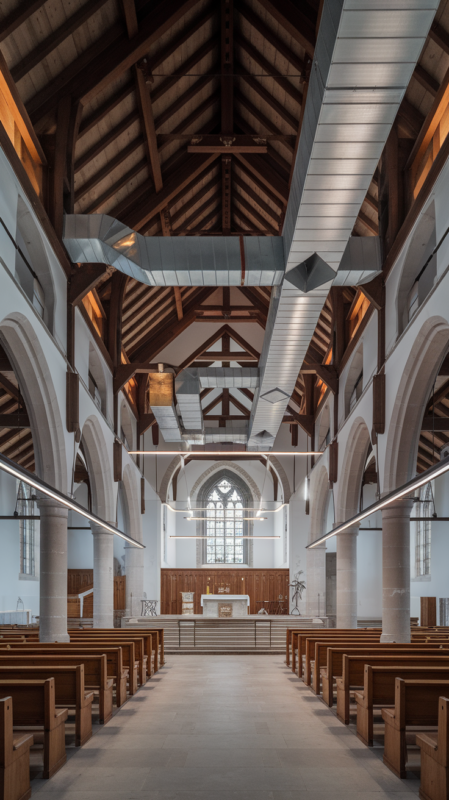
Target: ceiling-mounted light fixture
200	536
189	510
22	474
225	519
415	483
237	453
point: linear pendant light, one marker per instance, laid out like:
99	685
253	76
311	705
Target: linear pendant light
205	537
24	475
237	453
415	483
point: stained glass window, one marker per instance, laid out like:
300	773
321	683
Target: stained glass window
224	524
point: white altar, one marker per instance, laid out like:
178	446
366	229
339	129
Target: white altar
225	605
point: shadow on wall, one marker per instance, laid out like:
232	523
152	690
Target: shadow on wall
32	270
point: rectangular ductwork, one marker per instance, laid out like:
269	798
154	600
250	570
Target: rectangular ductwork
163	406
364	59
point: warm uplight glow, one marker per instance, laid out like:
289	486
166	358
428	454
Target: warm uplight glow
27	477
409	487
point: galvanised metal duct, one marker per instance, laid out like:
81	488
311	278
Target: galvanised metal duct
163	406
188	386
364	59
172	260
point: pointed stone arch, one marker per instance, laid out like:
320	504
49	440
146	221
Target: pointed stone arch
33	373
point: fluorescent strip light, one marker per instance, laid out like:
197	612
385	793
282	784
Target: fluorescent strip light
265	510
27	477
239	453
226	519
224	537
415	483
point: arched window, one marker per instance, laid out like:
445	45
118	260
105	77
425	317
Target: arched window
224	524
424	532
25	509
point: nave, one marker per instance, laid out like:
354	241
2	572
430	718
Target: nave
240	727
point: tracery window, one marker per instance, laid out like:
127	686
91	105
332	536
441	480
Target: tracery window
424	532
225	524
25	508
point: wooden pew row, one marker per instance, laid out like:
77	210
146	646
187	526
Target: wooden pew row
416	703
129	665
146	648
14	756
305	642
299	654
140	657
379	691
157	643
34	705
70	691
333	654
95	668
435	757
354	669
311	670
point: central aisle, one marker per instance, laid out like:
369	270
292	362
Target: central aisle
225	728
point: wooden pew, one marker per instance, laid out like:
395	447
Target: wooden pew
95	669
128	655
141	659
150	644
310	664
14	756
34	705
435	757
157	647
415	703
70	691
301	638
334	659
379	689
354	670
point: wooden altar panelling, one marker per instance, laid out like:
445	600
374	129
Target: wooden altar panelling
79	580
119	592
259	584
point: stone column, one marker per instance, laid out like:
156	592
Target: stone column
53	572
134	580
316	582
103	577
347	578
396	571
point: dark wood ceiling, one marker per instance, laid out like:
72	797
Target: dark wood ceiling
182	117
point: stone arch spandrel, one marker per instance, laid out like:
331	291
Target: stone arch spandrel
352	469
220	465
319	492
36	385
418	376
132	496
282	475
100	470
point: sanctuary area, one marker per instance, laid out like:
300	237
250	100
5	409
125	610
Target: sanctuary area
224	399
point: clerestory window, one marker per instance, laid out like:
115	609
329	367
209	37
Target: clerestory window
424	532
225	524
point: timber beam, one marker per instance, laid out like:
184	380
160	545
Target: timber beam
374	291
83	279
124	373
326	373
